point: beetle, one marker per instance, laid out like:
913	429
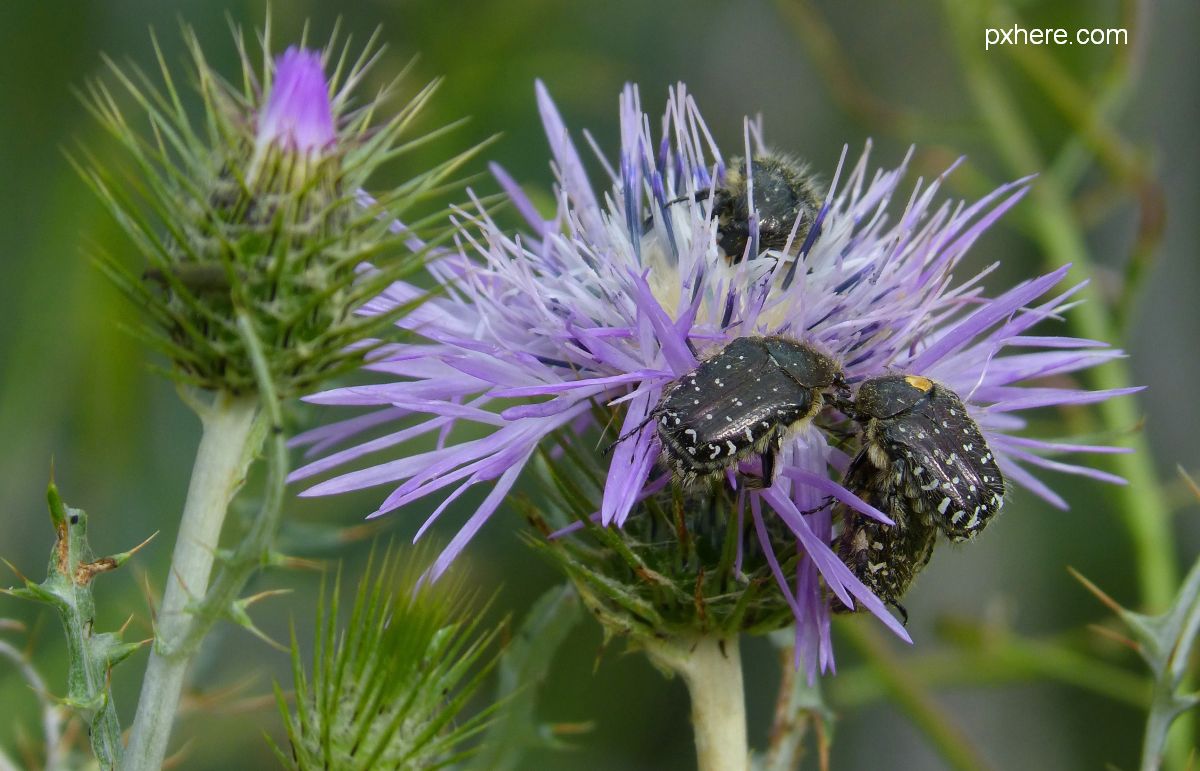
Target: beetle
921	432
784	191
740	402
924	463
886	558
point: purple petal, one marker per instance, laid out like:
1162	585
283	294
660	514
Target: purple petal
519	200
297	115
481	515
829	487
990	314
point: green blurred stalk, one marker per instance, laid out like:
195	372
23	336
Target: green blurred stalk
222	459
1008	661
909	695
1140	504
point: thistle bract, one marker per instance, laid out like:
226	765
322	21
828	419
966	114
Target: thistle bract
588	316
256	214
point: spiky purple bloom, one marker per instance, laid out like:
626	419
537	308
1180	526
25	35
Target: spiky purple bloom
298	115
592	307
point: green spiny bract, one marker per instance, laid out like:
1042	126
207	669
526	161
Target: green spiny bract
672	569
251	215
386	690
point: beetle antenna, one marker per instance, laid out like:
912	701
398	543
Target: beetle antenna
628	434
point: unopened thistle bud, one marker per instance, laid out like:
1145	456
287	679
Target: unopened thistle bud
255	217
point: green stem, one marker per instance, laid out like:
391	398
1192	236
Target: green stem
221	462
1140	504
941	729
253	549
1011	661
712	670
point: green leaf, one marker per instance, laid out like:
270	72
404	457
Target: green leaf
91	654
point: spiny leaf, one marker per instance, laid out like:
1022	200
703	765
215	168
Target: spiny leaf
91	654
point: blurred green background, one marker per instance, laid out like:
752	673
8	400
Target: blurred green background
76	389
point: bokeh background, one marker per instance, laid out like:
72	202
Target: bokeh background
76	389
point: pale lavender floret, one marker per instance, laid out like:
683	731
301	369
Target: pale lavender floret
587	308
298	115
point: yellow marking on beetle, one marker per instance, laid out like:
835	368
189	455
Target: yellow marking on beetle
918	382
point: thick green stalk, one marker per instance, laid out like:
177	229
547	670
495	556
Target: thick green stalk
1009	661
221	461
712	670
254	548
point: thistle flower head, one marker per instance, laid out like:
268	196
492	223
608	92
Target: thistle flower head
588	316
254	220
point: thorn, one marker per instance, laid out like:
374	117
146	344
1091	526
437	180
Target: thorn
1116	637
296	563
248	601
360	532
178	756
89	570
123	557
212	700
183	585
1099	593
20	576
125	626
237	612
572	729
1191	483
12	625
148	593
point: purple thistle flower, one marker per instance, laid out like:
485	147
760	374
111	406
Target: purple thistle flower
618	295
298	116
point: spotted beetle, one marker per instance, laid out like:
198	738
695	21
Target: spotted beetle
886	558
921	432
926	465
784	190
740	402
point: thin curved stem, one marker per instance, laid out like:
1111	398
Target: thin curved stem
1140	504
908	694
51	716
